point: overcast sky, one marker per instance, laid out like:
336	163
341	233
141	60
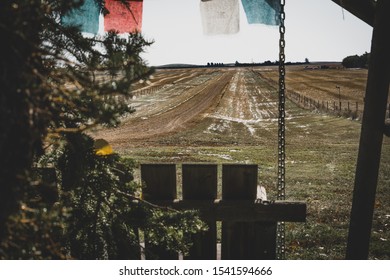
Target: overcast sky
315	29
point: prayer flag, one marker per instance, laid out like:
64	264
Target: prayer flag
262	11
123	19
220	16
86	17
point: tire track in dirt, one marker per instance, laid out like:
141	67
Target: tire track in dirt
175	95
166	78
198	102
245	103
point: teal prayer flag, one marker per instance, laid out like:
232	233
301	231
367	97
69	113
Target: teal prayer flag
86	17
262	11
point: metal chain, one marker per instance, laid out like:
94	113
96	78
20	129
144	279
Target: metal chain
280	241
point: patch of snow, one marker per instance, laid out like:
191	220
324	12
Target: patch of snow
222	156
221	127
331	167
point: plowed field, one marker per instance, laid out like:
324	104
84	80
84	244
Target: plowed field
214	106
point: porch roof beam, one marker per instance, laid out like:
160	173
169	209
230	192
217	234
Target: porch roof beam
363	9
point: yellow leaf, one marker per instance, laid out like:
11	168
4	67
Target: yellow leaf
102	148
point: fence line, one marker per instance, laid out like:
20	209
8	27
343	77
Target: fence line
352	109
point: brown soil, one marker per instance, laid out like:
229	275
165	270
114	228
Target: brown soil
223	106
172	109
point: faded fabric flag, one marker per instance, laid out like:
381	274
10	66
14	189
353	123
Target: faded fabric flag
86	17
262	11
123	19
220	16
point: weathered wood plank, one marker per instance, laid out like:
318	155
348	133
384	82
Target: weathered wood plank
240	240
250	241
200	183
160	184
239	181
243	210
264	240
159	181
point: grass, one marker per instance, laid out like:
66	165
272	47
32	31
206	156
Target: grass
320	163
321	176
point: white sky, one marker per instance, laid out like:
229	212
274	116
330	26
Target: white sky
315	29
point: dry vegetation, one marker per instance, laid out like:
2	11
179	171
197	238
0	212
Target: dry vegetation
321	83
230	115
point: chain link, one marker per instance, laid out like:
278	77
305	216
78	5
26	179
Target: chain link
280	238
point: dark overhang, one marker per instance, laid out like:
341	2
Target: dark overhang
363	9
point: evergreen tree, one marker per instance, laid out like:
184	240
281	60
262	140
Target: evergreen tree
356	61
55	85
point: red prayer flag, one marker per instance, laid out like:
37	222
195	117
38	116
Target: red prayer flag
121	18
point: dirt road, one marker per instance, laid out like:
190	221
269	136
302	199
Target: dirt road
232	102
175	107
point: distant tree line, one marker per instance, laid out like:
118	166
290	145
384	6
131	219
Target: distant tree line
265	63
356	61
235	64
212	64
